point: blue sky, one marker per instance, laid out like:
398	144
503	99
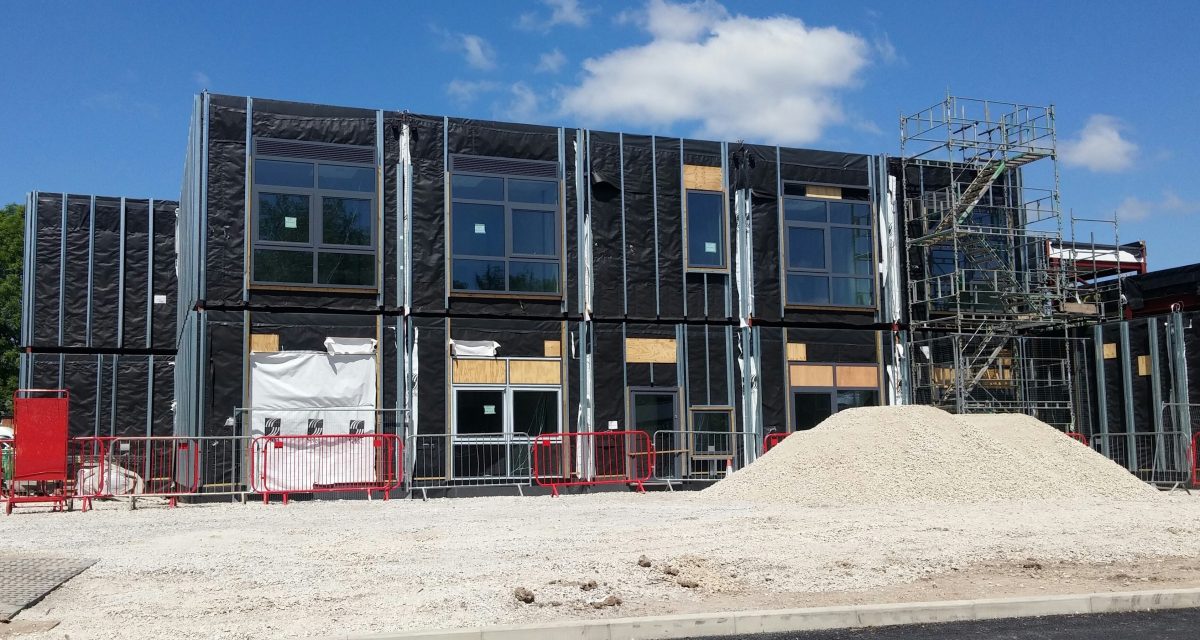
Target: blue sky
95	97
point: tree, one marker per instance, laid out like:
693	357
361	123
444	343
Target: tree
12	234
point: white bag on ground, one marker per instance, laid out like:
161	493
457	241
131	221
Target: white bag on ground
116	481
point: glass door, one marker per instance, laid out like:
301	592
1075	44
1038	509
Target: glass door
657	413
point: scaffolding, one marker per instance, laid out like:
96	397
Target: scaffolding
989	304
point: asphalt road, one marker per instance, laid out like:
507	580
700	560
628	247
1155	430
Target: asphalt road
1153	625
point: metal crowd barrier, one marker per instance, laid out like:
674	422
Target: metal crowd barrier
1159	458
449	461
1078	437
283	465
773	439
592	458
698	456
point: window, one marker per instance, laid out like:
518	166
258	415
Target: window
712	432
314	223
493	427
706	230
828	252
504	234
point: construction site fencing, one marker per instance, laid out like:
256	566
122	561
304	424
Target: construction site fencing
1078	437
698	456
449	461
773	439
108	467
1159	458
593	458
287	464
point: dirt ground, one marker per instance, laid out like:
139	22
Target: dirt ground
314	569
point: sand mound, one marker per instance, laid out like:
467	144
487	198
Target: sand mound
881	455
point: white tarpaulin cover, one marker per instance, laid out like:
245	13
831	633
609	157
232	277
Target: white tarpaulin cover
483	348
312	393
337	346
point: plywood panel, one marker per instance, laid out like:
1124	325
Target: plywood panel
264	342
815	191
698	177
535	372
653	350
857	376
552	348
811	375
797	352
1110	350
479	371
1143	365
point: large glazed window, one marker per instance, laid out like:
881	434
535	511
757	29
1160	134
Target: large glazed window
504	234
706	229
828	252
313	223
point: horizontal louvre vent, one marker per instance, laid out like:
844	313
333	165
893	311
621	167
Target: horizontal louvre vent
314	151
505	166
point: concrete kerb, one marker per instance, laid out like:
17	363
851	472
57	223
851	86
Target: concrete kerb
815	618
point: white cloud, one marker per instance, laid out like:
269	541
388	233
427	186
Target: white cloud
464	92
477	51
1100	146
201	79
551	62
1134	209
886	50
567	12
764	79
523	104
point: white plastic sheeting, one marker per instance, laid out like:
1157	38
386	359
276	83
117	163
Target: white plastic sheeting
335	346
480	348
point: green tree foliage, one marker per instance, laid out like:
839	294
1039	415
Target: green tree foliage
12	233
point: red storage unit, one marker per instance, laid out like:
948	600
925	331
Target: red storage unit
39	447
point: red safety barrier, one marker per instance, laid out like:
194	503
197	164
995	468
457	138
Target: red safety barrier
156	466
1075	435
592	458
287	464
1192	455
773	439
38	460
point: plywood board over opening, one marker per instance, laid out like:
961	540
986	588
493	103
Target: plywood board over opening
650	350
700	177
535	372
857	376
817	191
1110	350
264	342
552	348
811	375
479	371
797	352
1143	365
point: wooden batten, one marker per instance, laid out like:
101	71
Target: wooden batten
797	352
534	372
857	376
700	177
264	342
650	350
811	375
1143	365
817	191
552	348
479	371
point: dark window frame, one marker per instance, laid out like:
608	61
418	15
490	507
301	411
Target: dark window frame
508	205
827	272
724	226
315	245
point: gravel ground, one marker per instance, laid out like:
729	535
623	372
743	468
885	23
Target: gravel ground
312	569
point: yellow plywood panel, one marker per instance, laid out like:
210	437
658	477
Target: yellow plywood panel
797	352
260	342
811	375
653	350
698	177
1143	365
857	376
535	372
552	348
479	372
815	191
1110	350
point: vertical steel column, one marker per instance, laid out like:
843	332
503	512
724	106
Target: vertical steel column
683	217
1101	391
99	394
202	218
725	232
447	260
62	273
1179	359
380	217
121	279
654	195
247	257
91	268
624	259
29	263
562	233
1127	391
149	276
583	155
150	397
1160	448
779	237
112	400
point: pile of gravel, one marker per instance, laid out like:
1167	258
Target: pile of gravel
919	454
